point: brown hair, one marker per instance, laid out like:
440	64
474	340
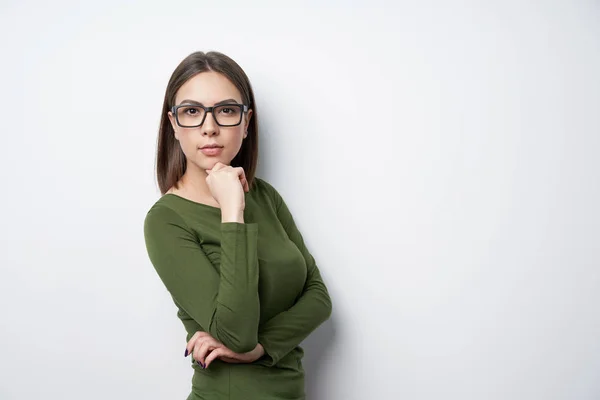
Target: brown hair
170	160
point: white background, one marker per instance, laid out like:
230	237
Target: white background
440	158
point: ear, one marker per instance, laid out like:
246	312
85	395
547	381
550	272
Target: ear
173	124
247	122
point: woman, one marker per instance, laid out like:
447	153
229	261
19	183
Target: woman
224	243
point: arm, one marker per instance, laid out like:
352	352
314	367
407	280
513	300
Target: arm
225	304
282	333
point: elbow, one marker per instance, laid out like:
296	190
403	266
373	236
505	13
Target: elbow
243	346
327	308
237	331
238	341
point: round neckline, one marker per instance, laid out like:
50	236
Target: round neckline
192	201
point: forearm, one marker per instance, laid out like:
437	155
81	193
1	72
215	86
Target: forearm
235	322
282	333
222	299
285	331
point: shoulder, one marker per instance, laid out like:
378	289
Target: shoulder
266	188
159	214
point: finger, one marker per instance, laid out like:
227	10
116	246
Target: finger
242	175
202	351
189	347
199	338
194	338
244	183
196	341
218	352
240	171
224	354
219	165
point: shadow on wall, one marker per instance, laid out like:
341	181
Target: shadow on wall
317	350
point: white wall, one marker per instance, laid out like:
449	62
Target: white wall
439	157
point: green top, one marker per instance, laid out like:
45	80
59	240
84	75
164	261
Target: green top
244	283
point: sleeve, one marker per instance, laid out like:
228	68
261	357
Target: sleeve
282	333
226	303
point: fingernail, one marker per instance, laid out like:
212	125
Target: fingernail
186	352
200	364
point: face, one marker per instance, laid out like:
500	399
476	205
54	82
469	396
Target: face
209	88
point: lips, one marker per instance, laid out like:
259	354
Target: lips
211	151
211	146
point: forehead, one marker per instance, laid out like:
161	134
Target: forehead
208	88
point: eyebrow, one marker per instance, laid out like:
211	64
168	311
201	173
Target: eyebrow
227	101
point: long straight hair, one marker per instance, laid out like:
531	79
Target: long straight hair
170	159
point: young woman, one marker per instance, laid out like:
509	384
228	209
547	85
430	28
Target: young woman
224	243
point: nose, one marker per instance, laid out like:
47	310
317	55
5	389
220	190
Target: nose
209	126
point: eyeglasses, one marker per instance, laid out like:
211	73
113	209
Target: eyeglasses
192	116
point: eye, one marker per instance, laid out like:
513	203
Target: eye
229	110
190	111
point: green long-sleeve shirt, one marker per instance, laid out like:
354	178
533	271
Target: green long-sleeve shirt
243	283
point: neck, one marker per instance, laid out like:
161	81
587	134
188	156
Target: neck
193	181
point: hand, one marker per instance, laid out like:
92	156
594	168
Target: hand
227	185
241	173
224	354
205	349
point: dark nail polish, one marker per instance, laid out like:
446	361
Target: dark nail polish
200	364
186	353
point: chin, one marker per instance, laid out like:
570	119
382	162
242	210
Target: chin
210	162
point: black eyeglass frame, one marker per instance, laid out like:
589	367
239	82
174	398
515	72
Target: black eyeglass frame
207	110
